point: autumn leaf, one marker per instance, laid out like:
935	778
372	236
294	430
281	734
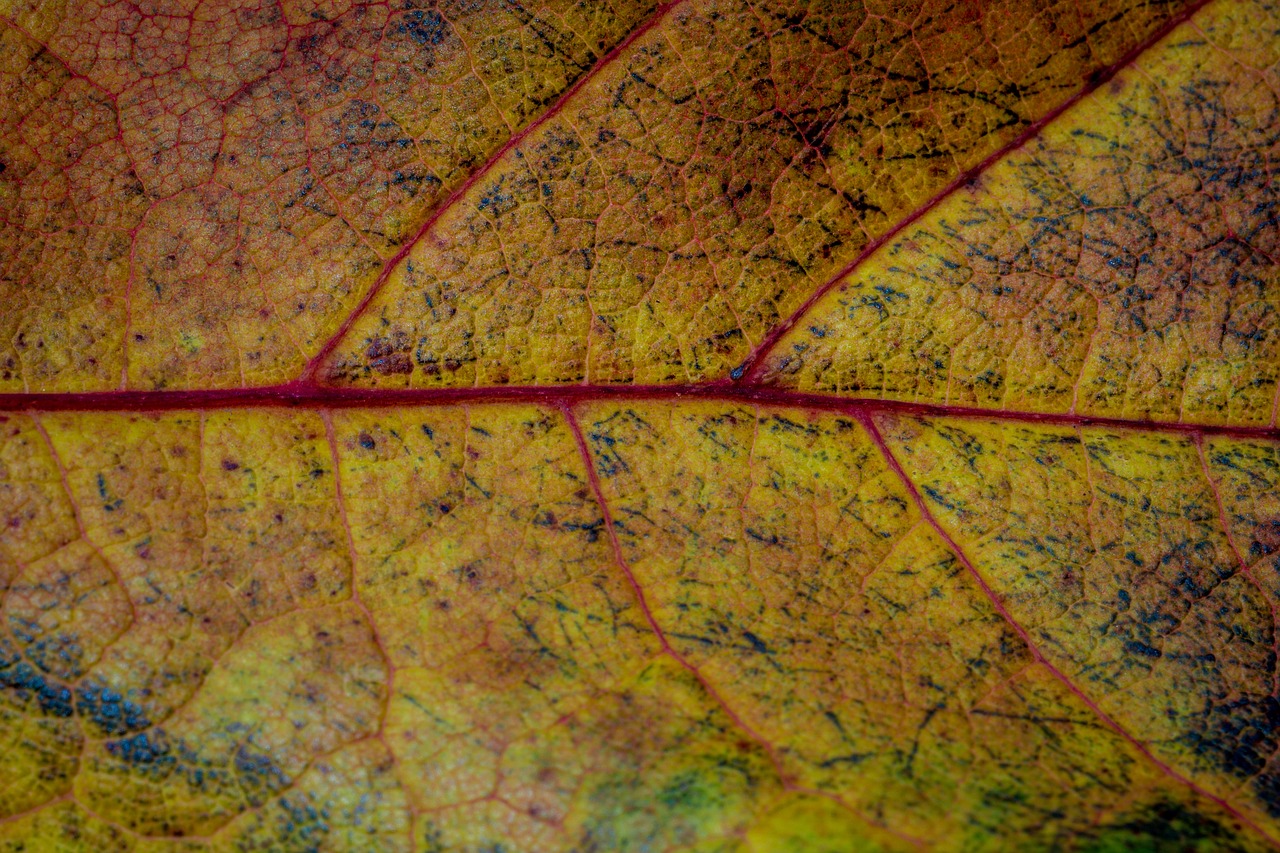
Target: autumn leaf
629	426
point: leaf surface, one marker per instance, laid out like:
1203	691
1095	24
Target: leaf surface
695	192
1124	263
698	426
201	192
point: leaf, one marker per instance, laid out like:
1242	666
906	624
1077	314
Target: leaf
205	190
466	426
1122	264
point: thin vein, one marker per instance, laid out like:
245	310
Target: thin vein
1245	568
327	417
869	424
753	365
636	590
313	366
84	533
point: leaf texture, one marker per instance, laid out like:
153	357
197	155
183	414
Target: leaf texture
688	199
1123	264
702	426
201	192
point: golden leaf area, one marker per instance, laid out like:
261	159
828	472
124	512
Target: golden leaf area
594	425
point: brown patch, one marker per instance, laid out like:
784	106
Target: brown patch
398	363
1267	534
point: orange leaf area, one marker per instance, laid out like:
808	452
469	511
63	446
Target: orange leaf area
199	193
204	197
439	425
693	194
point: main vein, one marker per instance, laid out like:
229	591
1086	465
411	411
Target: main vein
309	395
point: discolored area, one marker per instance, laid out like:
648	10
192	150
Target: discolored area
531	708
197	194
1110	549
347	800
634	626
692	195
250	731
785	560
388	605
1124	263
69	199
1160	826
179	642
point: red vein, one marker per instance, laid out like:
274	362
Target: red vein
15	817
753	365
307	395
869	423
313	366
784	777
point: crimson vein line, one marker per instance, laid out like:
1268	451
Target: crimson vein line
307	395
476	176
593	478
1103	717
752	366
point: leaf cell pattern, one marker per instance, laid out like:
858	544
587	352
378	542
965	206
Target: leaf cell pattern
703	426
199	193
1122	264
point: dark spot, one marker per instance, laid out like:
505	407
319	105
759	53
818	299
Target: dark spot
1140	648
1267	534
397	363
426	28
54	699
110	711
379	347
1096	77
107	503
257	771
496	200
1161	826
757	644
1241	735
366	441
142	751
229	465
